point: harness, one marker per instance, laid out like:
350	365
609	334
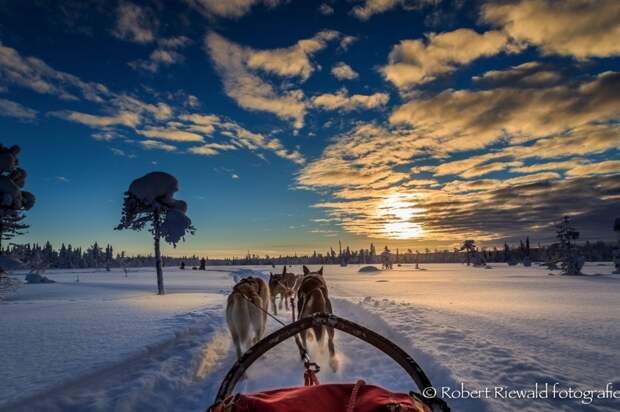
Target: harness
310	368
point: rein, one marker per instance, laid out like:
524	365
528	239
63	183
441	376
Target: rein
311	368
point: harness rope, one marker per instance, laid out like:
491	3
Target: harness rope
311	368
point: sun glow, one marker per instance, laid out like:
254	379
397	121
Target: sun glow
397	210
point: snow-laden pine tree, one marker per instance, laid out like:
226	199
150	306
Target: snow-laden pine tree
150	201
570	261
469	246
13	200
617	250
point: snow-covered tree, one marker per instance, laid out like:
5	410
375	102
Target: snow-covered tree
469	246
13	200
570	262
617	251
150	201
386	258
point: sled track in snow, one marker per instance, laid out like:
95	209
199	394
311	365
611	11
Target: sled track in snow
184	373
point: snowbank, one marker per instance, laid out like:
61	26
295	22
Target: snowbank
241	273
368	269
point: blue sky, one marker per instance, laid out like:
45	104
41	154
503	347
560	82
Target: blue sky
292	124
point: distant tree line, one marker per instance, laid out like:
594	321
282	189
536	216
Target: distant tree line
104	257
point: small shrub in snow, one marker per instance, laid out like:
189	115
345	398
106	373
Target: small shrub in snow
150	201
8	285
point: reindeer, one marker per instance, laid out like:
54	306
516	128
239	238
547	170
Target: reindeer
312	298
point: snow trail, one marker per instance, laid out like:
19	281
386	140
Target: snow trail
184	373
112	345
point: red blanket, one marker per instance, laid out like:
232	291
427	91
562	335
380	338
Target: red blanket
324	398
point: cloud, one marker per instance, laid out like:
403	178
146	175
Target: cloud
558	165
9	108
237	138
398	184
413	62
342	101
579	28
371	7
293	61
106	135
212	149
346	42
343	71
158	58
135	23
175	42
230	8
485	169
156	121
362	157
165	55
127	119
122	153
326	10
36	75
171	134
608	167
247	88
526	75
156	145
459	120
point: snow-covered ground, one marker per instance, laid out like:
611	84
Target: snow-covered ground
108	343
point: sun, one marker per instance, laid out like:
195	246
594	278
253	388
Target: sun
397	210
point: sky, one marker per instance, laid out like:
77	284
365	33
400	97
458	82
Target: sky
291	125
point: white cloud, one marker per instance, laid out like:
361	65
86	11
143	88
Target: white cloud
122	153
156	145
412	62
372	7
175	42
228	8
325	9
342	101
531	74
579	28
135	23
598	168
35	74
346	42
165	55
212	149
343	71
127	119
10	108
238	138
248	89
458	120
171	134
293	61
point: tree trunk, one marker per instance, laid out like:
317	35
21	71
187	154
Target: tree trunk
158	268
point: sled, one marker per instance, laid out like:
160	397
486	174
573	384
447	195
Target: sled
347	397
